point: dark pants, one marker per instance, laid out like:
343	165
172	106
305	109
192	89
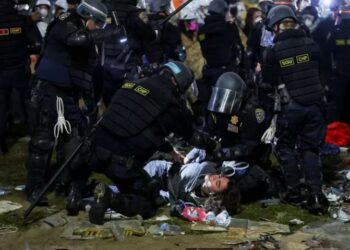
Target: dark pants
43	119
9	80
138	191
300	132
339	105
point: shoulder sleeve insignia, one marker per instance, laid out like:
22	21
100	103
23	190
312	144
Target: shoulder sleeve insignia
64	15
259	115
142	91
128	85
234	120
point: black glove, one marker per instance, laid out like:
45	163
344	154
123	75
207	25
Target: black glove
99	35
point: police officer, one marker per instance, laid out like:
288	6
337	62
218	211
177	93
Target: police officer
292	65
141	115
63	76
217	39
338	45
14	62
122	53
167	44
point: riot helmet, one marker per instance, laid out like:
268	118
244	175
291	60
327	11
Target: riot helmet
218	7
309	15
278	13
93	9
265	6
345	13
227	94
184	77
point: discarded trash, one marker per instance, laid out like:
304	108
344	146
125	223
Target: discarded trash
193	214
20	187
207	228
8	206
210	218
296	222
223	219
165	229
87	233
5	229
270	202
130	227
53	221
162	218
342	214
4	192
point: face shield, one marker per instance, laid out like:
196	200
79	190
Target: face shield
90	12
225	101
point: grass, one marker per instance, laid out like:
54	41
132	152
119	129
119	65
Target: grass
12	173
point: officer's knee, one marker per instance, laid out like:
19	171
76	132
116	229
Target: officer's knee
41	142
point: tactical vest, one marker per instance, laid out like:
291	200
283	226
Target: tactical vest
131	117
13	45
298	60
341	49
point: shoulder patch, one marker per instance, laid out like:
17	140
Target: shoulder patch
64	15
260	115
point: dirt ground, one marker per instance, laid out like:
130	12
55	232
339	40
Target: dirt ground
31	236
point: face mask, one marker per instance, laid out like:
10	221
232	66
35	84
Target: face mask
192	26
308	23
43	12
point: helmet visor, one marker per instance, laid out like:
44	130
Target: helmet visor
224	101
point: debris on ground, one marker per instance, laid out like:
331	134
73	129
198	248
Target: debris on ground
242	230
8	206
165	229
53	221
207	228
6	229
295	222
270	202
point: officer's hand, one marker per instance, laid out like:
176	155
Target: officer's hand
258	68
177	157
36	16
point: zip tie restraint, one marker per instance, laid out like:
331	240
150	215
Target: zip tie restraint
62	125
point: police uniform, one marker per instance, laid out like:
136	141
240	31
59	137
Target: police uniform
141	114
338	46
14	61
122	53
294	62
217	39
64	71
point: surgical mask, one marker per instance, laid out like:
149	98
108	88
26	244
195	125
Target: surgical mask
308	23
43	12
192	26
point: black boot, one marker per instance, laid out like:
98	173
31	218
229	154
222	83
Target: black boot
296	196
33	195
105	199
317	204
74	200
